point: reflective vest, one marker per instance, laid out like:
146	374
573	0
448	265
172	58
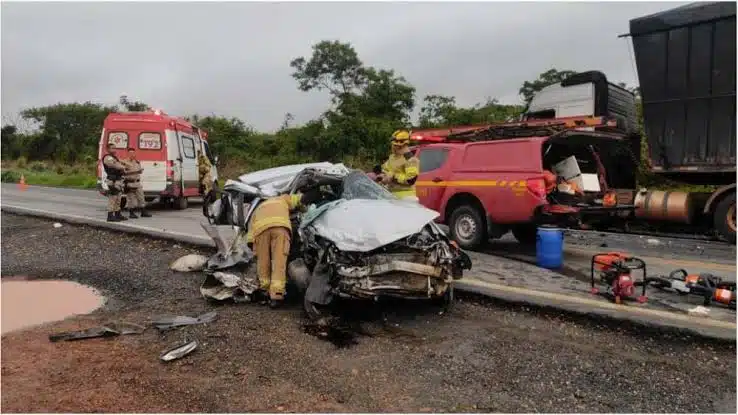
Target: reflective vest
404	172
271	213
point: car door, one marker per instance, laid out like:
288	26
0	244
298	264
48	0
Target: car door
189	163
433	176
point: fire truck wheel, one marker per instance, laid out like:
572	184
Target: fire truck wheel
525	234
468	227
725	218
180	203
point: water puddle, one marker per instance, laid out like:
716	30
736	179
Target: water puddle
30	303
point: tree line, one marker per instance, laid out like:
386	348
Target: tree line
366	105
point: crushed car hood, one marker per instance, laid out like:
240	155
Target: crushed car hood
362	225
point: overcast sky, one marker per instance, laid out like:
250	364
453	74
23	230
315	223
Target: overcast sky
233	58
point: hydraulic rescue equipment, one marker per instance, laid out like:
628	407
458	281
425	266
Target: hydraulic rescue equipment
710	288
614	269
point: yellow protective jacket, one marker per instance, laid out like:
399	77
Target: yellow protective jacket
404	170
203	166
271	213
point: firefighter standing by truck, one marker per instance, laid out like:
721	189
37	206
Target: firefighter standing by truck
401	169
270	231
204	169
132	184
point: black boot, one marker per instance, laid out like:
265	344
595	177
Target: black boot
274	303
132	214
120	216
112	217
144	213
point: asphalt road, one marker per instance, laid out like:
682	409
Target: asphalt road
480	357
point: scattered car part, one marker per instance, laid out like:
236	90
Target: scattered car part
615	269
188	263
179	351
167	323
91	333
126	328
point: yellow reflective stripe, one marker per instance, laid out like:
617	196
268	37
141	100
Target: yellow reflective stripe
472	183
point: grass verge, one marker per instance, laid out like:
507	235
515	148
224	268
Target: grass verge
44	174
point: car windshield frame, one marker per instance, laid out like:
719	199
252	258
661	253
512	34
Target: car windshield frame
357	185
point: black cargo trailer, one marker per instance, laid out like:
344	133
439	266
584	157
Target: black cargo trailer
686	60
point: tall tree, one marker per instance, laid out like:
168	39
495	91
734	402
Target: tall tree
333	66
551	76
68	132
133	106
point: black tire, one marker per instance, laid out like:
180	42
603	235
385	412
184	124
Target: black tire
525	234
724	218
180	203
468	227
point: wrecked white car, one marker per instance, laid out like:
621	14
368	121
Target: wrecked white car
358	241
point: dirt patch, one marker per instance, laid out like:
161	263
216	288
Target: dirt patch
406	359
30	303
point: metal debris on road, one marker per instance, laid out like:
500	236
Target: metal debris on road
179	351
108	330
57	225
167	323
92	333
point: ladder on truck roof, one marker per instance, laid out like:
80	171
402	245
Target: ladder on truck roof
525	129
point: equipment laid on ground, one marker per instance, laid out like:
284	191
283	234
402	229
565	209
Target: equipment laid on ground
615	270
707	286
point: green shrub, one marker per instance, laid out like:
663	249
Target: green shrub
10	176
59	169
38	166
22	162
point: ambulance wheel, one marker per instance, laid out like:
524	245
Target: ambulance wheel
725	222
180	203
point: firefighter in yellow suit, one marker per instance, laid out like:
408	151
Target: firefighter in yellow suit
270	232
401	169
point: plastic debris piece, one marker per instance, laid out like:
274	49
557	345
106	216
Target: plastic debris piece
179	351
699	311
189	263
57	225
84	334
125	328
166	323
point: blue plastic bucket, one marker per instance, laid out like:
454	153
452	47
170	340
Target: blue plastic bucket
549	247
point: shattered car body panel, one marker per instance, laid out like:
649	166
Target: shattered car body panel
359	241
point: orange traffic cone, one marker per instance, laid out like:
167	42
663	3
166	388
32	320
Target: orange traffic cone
22	183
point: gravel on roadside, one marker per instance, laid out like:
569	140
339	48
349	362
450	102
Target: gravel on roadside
477	358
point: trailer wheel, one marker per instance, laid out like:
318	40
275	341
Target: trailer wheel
724	218
467	227
180	203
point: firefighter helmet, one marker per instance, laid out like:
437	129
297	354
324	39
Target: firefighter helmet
400	138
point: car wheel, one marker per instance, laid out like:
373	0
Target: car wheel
468	227
725	223
180	203
525	234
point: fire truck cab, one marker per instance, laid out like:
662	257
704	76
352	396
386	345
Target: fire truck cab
167	148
